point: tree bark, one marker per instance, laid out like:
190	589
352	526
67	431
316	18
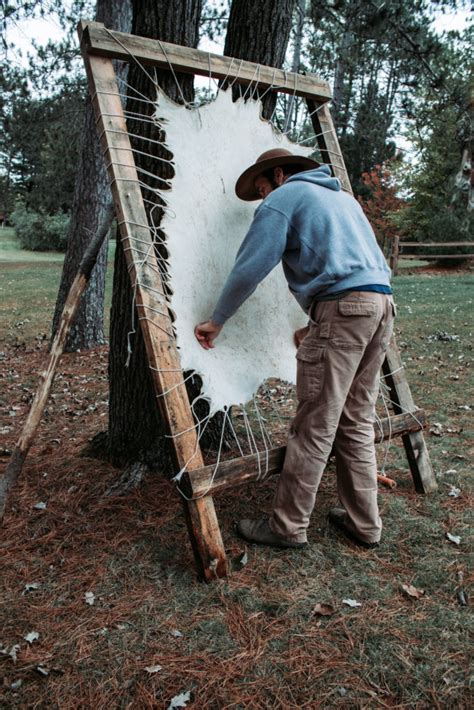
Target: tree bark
136	430
259	31
292	105
91	196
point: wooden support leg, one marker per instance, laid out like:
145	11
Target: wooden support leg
402	401
327	141
206	539
152	306
415	446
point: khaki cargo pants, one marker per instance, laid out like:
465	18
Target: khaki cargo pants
337	385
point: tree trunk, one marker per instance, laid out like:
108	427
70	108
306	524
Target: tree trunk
135	426
91	196
296	60
259	31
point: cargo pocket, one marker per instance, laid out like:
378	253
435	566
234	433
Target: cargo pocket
356	327
310	371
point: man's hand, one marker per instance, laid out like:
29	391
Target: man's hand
206	333
299	335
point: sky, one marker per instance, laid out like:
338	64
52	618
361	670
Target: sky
41	30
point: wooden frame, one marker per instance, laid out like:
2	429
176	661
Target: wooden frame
99	47
398	246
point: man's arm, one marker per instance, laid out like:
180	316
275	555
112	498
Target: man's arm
261	250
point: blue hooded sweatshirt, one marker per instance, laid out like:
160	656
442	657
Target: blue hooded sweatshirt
321	235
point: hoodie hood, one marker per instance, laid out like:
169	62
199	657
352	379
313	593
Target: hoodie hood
319	176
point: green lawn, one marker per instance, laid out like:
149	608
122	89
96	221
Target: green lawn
23	273
12	253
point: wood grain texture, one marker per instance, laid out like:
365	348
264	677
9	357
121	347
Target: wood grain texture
436	244
246	468
95	40
414	443
327	141
152	307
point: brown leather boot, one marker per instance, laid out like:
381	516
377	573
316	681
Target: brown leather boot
260	533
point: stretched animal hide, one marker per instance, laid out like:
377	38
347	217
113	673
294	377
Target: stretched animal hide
204	228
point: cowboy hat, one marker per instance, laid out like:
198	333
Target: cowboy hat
245	188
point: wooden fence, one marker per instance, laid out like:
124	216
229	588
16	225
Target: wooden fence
398	251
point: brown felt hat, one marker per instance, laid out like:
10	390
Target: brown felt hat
245	188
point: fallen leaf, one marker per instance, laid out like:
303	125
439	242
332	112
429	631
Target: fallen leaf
453	538
153	669
176	633
453	491
180	701
243	559
12	652
42	670
89	598
351	602
412	591
323	609
31	637
16	685
30	587
40	506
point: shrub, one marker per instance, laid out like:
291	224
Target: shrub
37	231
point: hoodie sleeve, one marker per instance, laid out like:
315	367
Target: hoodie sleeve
261	250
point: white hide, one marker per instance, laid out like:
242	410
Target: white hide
204	228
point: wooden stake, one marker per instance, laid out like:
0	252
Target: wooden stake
71	305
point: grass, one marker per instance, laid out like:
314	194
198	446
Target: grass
12	253
23	273
251	641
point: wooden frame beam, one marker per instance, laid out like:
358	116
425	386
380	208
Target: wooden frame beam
328	142
96	39
402	401
245	469
152	307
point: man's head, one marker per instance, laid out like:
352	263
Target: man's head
270	171
272	178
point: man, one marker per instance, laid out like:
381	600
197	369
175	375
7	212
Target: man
339	276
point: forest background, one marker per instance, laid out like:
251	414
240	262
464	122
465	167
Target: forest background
401	108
